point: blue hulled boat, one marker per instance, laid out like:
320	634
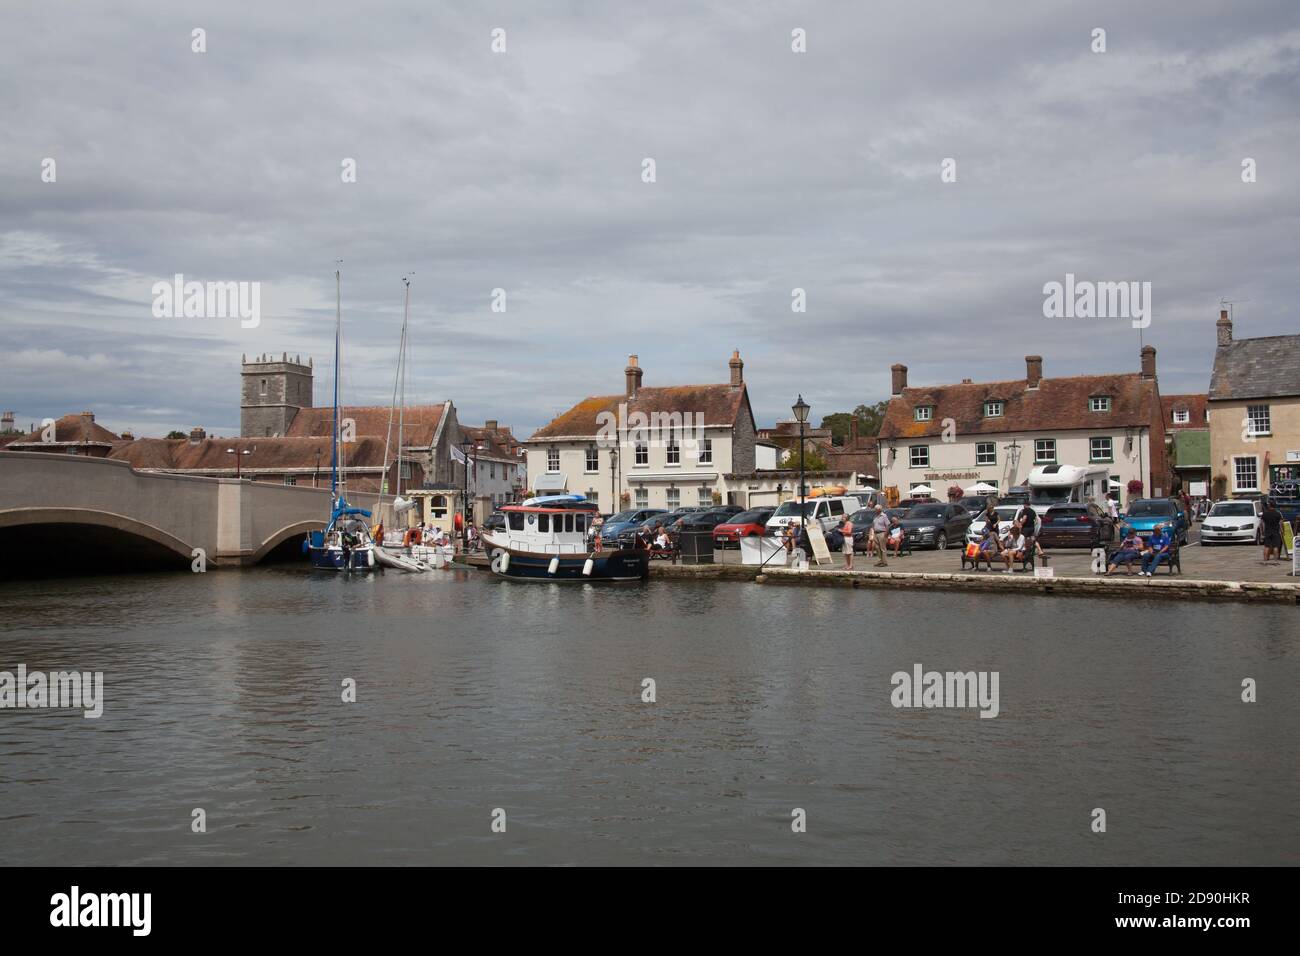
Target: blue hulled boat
545	539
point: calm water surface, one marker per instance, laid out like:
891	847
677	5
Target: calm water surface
223	692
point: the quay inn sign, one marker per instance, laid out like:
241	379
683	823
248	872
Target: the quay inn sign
951	475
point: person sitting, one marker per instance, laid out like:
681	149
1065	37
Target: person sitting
1013	547
1159	548
662	541
989	548
1130	550
895	539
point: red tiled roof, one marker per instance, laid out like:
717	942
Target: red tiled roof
211	454
719	404
1194	405
70	429
1058	404
420	422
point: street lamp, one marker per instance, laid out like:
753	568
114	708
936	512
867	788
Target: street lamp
316	474
465	447
238	456
800	409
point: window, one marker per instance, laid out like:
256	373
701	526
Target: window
993	409
263	386
1258	420
914	486
492	469
641	497
290	480
1044	451
706	451
1101	449
516	520
986	453
593	496
1099	403
593	458
674	498
705	495
544	522
580	523
1245	473
1182	416
552	459
920	456
924	413
642	455
674	451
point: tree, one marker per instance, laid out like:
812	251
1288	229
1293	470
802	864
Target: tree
813	460
869	419
176	434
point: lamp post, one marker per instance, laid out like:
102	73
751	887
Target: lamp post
465	447
316	474
800	409
238	456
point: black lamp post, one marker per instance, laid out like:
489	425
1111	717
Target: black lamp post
465	447
238	457
800	409
316	474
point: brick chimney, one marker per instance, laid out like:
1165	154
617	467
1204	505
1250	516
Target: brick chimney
7	422
1224	328
490	424
737	369
633	376
1033	370
899	379
197	435
1148	361
853	431
87	419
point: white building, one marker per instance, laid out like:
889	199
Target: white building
998	432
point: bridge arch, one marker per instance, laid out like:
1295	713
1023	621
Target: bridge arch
298	529
104	535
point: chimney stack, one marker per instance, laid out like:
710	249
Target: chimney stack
899	379
87	419
1033	370
1148	361
197	435
737	369
633	376
127	435
490	424
1224	328
7	422
853	431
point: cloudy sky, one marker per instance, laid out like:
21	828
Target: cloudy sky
522	170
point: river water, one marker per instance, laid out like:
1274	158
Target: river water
222	691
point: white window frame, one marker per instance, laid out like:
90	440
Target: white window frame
1254	464
912	456
994	409
641	457
673	498
706	495
1257	415
1038	459
640	498
1182	416
1110	446
672	452
706	451
986	444
593	455
552	461
924	413
1099	403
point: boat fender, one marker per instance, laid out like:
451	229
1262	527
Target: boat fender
554	566
587	567
501	562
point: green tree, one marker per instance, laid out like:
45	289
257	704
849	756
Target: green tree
869	419
813	460
176	434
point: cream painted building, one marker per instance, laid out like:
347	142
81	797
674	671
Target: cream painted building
1254	411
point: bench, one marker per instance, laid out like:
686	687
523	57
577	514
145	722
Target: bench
1174	562
1027	563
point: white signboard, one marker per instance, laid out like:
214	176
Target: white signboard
757	549
820	551
1198	489
1044	572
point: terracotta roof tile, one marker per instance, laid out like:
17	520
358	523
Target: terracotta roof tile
1194	405
420	424
719	404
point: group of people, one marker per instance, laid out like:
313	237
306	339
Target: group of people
1017	544
1157	547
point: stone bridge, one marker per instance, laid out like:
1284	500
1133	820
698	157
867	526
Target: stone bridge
93	514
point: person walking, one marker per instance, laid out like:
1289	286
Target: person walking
846	529
1272	521
880	536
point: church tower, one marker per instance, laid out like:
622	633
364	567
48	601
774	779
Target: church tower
271	393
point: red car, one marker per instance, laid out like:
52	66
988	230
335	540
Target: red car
743	525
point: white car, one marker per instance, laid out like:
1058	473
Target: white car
1006	515
1232	522
828	512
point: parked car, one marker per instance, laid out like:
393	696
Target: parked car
1086	525
909	502
700	521
1234	521
744	525
826	511
936	525
496	521
1006	514
625	521
862	524
1144	514
975	503
726	509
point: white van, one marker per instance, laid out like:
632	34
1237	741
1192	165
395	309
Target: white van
828	512
1051	485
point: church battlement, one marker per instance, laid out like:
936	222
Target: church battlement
271	393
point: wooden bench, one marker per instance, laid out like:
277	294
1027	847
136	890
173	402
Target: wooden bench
1027	563
1174	562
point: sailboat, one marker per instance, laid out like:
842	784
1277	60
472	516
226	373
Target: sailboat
345	544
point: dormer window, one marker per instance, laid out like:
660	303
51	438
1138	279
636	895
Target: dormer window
993	409
1099	403
924	413
1182	416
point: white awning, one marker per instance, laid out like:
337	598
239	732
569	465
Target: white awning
551	482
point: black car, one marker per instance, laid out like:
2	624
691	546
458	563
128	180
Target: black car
862	524
496	521
936	525
1076	526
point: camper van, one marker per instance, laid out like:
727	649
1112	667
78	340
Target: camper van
1066	484
827	512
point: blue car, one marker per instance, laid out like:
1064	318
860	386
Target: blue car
1144	514
625	521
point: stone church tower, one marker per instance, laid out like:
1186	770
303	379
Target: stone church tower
272	391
